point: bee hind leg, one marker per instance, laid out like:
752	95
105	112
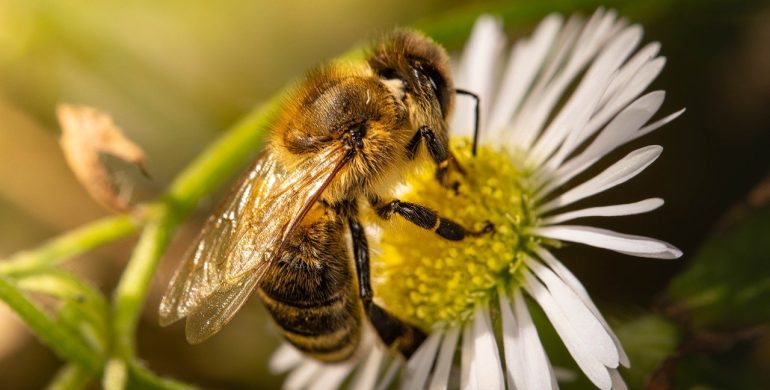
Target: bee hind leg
391	330
394	332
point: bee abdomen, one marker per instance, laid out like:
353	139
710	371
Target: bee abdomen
327	330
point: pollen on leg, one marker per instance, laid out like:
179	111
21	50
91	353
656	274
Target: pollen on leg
427	280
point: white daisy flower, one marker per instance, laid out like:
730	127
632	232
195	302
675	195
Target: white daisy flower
562	100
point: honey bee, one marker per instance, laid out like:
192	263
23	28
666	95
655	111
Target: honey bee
342	141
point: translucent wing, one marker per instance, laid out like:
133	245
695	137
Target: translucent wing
240	241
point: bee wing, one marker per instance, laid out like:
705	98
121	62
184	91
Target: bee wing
242	239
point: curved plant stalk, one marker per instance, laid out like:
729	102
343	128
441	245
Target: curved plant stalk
65	344
69	244
70	377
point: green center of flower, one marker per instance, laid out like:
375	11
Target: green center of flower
427	280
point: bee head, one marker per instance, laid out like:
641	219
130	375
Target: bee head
420	64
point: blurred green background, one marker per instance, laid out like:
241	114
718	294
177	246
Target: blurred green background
174	74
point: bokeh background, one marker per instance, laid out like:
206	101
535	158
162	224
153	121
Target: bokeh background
176	74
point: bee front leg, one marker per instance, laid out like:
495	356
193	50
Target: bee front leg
428	219
392	331
439	152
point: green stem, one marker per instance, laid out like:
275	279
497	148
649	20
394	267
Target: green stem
132	289
141	378
221	160
70	377
66	345
70	244
200	178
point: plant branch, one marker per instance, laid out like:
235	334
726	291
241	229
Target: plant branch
221	160
70	244
70	377
140	377
65	344
199	179
131	291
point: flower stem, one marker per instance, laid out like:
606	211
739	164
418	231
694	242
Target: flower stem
65	344
70	244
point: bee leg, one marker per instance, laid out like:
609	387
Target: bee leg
392	331
361	256
439	153
442	173
429	219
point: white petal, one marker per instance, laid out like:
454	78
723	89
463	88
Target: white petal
639	207
488	372
419	365
525	61
302	375
620	172
332	375
608	62
545	97
525	358
366	376
440	378
466	359
622	129
607	239
617	381
555	75
567	129
476	72
581	320
657	124
512	348
630	70
638	83
571	280
594	370
284	359
625	125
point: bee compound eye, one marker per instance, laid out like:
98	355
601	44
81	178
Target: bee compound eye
388	74
433	85
439	85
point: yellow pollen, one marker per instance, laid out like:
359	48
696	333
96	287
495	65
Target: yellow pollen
425	279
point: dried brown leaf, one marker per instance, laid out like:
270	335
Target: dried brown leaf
86	134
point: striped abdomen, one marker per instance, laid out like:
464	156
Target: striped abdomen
311	291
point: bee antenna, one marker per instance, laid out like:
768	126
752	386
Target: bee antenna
476	120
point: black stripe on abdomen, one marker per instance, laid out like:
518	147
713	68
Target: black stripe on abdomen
327	330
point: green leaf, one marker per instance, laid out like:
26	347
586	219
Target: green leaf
648	340
727	285
734	369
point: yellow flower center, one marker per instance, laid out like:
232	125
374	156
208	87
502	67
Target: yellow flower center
427	280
